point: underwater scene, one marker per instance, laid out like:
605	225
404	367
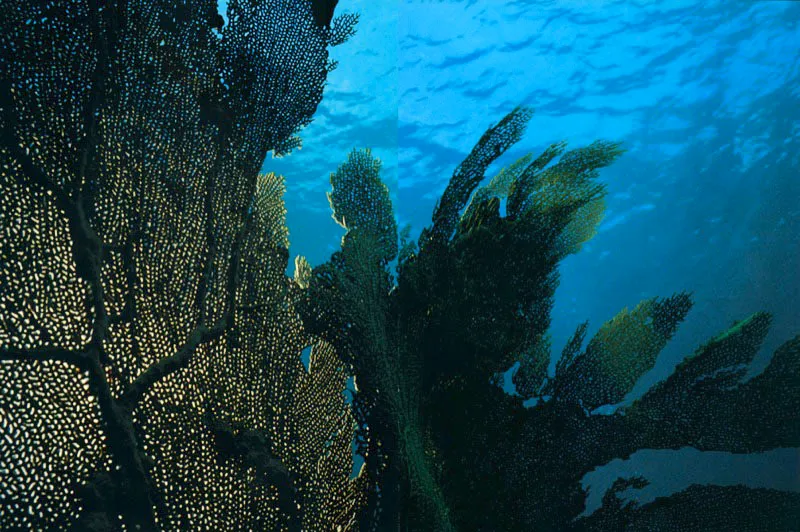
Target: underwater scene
412	265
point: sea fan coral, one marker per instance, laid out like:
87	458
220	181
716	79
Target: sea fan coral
448	447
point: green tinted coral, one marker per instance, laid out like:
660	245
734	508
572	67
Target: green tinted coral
449	448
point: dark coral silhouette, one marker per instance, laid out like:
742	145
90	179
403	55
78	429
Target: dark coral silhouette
447	446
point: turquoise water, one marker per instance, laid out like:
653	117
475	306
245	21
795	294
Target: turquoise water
705	99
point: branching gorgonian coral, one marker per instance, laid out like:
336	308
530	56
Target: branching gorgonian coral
150	372
446	447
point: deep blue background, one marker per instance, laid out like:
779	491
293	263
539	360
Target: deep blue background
703	94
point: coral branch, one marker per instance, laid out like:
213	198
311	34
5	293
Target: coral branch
79	359
200	335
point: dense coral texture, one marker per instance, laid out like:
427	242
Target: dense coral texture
150	370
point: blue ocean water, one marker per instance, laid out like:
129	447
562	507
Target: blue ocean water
704	95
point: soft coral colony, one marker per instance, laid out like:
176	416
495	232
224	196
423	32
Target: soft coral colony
448	447
150	341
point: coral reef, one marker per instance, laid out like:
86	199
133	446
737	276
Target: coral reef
152	347
447	446
150	372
